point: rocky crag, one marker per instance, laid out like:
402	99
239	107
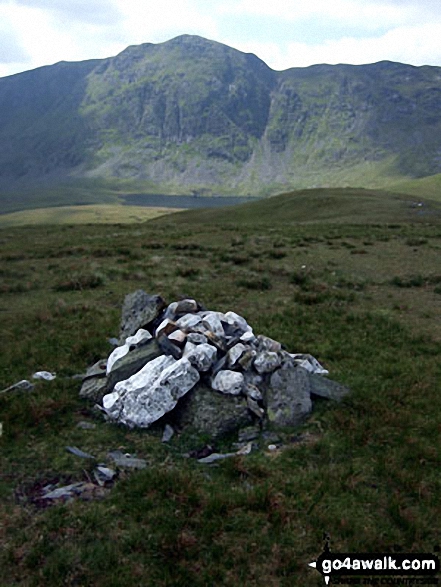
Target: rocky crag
203	371
192	115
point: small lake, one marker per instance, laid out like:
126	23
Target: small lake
161	201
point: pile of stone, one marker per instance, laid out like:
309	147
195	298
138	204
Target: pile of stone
201	370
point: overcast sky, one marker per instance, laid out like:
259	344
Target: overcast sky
284	33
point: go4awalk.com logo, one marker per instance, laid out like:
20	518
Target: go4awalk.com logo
421	567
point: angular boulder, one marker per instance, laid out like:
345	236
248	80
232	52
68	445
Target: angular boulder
152	392
287	398
203	411
229	382
139	309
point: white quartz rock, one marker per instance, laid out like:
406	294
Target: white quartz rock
153	391
202	356
229	382
266	362
188	321
238	322
120	351
235	353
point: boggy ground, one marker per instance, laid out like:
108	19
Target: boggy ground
361	295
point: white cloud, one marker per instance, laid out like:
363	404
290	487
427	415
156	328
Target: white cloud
284	33
158	21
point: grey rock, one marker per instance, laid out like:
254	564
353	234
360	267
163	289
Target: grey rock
68	491
247	359
131	363
104	475
204	411
168	433
23	385
229	382
197	338
94	388
98	369
113	341
188	322
216	457
140	338
255	408
168	347
139	309
79	453
238	322
186	306
219	365
267	361
235	353
212	321
86	425
201	356
326	388
264	343
152	392
125	461
253	392
309	363
288	400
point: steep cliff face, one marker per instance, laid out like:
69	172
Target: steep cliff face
199	114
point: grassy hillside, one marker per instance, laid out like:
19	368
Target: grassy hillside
358	287
100	214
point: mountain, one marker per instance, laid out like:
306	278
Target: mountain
193	115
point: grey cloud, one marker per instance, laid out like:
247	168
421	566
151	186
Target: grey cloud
101	12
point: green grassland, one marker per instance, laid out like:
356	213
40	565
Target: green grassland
350	276
92	214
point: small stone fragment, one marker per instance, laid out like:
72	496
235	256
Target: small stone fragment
23	385
79	453
104	475
229	382
216	457
167	434
68	491
246	360
212	321
126	461
141	337
44	375
86	425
